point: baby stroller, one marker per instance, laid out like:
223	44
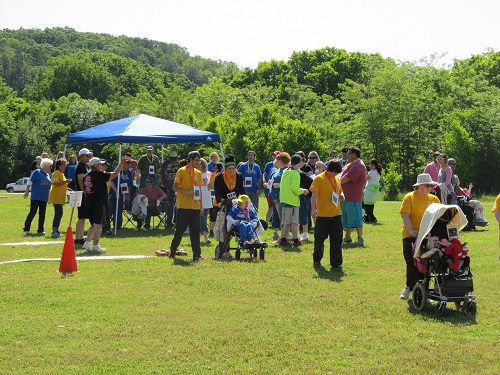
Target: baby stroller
443	261
224	232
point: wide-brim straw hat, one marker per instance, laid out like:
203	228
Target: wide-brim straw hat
424	178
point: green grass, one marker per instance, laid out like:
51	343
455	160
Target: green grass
280	316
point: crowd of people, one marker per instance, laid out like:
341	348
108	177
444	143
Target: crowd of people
335	197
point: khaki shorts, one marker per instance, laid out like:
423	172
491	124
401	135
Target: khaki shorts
289	215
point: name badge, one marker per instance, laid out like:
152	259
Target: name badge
231	195
151	169
335	198
248	182
452	230
124	188
197	193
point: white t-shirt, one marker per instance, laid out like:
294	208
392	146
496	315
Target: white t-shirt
374	177
205	193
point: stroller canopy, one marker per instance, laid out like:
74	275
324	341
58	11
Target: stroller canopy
431	215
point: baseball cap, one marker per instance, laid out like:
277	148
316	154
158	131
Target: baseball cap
95	161
243	198
149	148
83	151
173	154
276	153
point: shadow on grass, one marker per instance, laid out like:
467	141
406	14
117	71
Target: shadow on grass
451	315
334	275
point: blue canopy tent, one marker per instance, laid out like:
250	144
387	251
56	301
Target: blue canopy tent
142	129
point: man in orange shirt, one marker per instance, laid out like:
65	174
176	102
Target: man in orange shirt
326	201
187	185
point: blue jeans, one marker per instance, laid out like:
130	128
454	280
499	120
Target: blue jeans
254	197
305	209
203	221
58	213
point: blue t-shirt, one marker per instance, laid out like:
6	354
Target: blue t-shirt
276	177
251	175
268	170
210	166
40	185
125	178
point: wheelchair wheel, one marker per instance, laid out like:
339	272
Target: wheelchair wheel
419	296
440	308
471	307
261	254
218	252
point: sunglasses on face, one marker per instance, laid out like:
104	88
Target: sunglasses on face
312	157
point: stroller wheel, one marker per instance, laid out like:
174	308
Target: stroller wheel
440	308
262	254
419	296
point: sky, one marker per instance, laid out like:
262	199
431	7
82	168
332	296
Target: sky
249	32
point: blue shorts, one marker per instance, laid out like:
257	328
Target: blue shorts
352	215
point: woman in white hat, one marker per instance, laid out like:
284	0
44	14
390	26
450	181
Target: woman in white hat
412	210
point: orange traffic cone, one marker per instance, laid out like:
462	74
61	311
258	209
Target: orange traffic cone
68	258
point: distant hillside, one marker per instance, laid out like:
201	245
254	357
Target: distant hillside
23	51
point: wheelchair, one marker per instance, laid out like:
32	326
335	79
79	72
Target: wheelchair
256	250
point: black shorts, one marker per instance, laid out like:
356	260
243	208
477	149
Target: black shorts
95	213
82	210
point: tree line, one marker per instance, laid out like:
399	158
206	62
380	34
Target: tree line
57	81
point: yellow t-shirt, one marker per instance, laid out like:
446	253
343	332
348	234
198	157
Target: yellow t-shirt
187	179
324	185
415	204
496	206
57	194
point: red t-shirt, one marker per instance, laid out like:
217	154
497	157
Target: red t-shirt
353	189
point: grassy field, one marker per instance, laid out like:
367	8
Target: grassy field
278	316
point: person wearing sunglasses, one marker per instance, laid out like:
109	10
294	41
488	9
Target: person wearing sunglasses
412	210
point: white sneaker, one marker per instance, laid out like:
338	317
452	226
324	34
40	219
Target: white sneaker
405	294
87	246
97	248
290	237
305	237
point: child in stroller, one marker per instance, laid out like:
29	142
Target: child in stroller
243	223
443	261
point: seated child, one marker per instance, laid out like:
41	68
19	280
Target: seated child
465	194
244	218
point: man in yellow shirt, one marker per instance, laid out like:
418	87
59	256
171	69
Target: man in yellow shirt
326	199
496	211
187	185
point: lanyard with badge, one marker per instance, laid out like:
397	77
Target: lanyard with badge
151	165
196	189
249	179
124	185
335	196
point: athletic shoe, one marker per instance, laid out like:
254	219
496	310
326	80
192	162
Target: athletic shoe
347	239
40	233
341	267
56	234
405	294
97	248
317	264
305	236
107	233
79	241
197	259
360	242
298	243
26	232
87	246
282	243
276	236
